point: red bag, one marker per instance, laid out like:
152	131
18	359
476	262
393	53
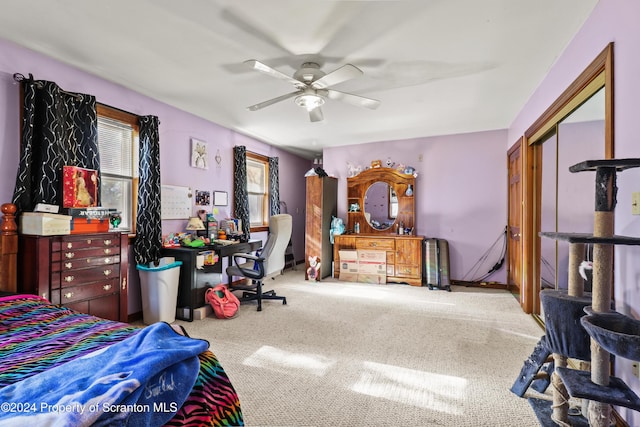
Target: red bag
224	303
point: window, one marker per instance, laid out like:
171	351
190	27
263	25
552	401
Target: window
118	145
258	190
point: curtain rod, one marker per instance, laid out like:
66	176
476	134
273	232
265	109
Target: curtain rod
20	78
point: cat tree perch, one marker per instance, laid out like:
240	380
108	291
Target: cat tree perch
610	332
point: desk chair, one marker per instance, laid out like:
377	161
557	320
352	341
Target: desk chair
268	263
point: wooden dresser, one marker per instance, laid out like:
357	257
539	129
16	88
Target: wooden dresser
404	254
84	272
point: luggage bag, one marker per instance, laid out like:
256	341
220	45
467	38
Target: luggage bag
436	264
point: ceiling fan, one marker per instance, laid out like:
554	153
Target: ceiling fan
313	86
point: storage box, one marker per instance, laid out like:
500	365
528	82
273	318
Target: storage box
348	265
79	187
84	225
44	224
372	262
379	279
97	212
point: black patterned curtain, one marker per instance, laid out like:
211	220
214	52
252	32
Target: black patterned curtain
148	226
274	186
240	191
59	129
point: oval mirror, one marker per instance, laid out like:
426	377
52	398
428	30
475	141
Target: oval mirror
380	205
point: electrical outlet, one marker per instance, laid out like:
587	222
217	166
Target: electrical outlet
635	369
635	203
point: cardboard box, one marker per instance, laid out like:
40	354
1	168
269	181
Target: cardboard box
378	279
97	212
84	225
348	265
79	187
44	224
372	262
348	277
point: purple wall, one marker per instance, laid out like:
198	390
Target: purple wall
611	21
176	130
460	190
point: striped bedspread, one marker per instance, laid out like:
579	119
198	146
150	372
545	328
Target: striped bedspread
36	336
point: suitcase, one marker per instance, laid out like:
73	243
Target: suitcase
436	264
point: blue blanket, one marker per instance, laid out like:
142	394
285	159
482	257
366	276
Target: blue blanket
142	381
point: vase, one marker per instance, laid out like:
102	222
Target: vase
409	191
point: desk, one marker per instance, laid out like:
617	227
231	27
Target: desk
193	281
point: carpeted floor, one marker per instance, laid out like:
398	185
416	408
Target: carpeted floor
355	354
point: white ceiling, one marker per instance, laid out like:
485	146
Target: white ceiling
437	66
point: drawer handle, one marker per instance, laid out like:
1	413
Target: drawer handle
68	295
107	242
69	245
124	283
89	241
107	272
69	279
68	265
69	255
107	260
107	251
106	287
373	244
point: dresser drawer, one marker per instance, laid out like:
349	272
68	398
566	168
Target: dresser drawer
70	254
84	275
97	241
82	292
405	270
378	244
74	264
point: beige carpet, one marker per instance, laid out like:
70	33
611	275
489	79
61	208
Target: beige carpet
354	354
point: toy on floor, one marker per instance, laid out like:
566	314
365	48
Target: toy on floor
313	272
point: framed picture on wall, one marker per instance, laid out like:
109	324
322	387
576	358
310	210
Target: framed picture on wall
199	154
202	198
220	198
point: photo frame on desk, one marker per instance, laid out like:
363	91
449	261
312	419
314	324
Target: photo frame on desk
220	198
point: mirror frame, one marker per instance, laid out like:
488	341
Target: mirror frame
357	187
597	75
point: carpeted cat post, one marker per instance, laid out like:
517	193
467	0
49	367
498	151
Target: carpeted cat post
600	412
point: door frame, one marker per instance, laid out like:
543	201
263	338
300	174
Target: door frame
599	73
514	245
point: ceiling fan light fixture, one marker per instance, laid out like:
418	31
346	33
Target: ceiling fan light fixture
309	101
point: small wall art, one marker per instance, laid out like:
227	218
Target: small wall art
220	198
199	154
203	198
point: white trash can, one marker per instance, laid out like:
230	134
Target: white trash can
159	288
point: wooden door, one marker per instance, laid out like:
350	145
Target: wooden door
514	244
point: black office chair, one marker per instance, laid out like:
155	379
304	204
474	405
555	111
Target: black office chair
269	262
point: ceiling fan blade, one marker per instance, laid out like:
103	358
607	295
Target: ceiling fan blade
346	72
273	101
316	115
357	100
264	68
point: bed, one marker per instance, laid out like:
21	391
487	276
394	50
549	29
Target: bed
62	367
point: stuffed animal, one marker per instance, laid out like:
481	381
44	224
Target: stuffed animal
313	272
584	267
353	170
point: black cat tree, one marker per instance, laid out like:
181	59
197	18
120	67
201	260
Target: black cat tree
590	338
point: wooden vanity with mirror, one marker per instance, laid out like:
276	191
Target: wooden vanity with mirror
380	204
